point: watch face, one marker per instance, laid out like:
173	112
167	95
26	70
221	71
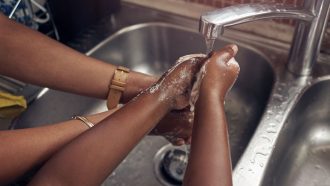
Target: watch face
22	14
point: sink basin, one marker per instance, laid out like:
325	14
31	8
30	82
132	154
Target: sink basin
302	153
153	48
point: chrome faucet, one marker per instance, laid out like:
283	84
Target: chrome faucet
308	35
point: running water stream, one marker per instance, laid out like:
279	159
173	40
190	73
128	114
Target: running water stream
209	45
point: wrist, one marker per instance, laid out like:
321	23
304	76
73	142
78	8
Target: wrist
136	83
211	95
158	97
213	89
165	98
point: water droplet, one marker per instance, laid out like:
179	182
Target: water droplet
269	112
279	97
263	153
271	130
266	138
260	150
278	118
113	174
272	124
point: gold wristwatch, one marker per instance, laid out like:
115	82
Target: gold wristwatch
117	86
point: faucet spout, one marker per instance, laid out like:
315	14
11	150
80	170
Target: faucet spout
308	35
213	23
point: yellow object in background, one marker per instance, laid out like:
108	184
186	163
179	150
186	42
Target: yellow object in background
11	105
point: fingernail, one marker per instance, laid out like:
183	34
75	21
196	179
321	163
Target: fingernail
234	48
230	52
179	142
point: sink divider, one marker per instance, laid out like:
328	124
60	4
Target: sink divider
252	166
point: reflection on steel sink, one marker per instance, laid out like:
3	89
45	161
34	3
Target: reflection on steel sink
153	48
302	153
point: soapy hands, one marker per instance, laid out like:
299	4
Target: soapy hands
176	85
174	88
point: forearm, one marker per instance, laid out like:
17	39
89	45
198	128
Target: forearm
91	157
23	149
209	162
34	58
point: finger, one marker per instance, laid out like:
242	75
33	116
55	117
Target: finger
233	66
234	48
200	62
195	62
178	142
231	49
225	54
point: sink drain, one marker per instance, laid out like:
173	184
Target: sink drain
170	164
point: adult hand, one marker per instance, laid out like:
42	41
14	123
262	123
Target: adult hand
176	86
176	127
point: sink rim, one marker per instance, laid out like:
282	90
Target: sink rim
313	131
252	173
170	25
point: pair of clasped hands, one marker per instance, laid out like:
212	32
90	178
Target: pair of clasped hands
219	78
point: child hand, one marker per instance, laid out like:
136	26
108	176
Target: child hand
221	71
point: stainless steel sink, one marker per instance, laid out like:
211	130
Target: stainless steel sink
302	153
153	48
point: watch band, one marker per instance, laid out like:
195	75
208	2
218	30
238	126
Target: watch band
117	86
